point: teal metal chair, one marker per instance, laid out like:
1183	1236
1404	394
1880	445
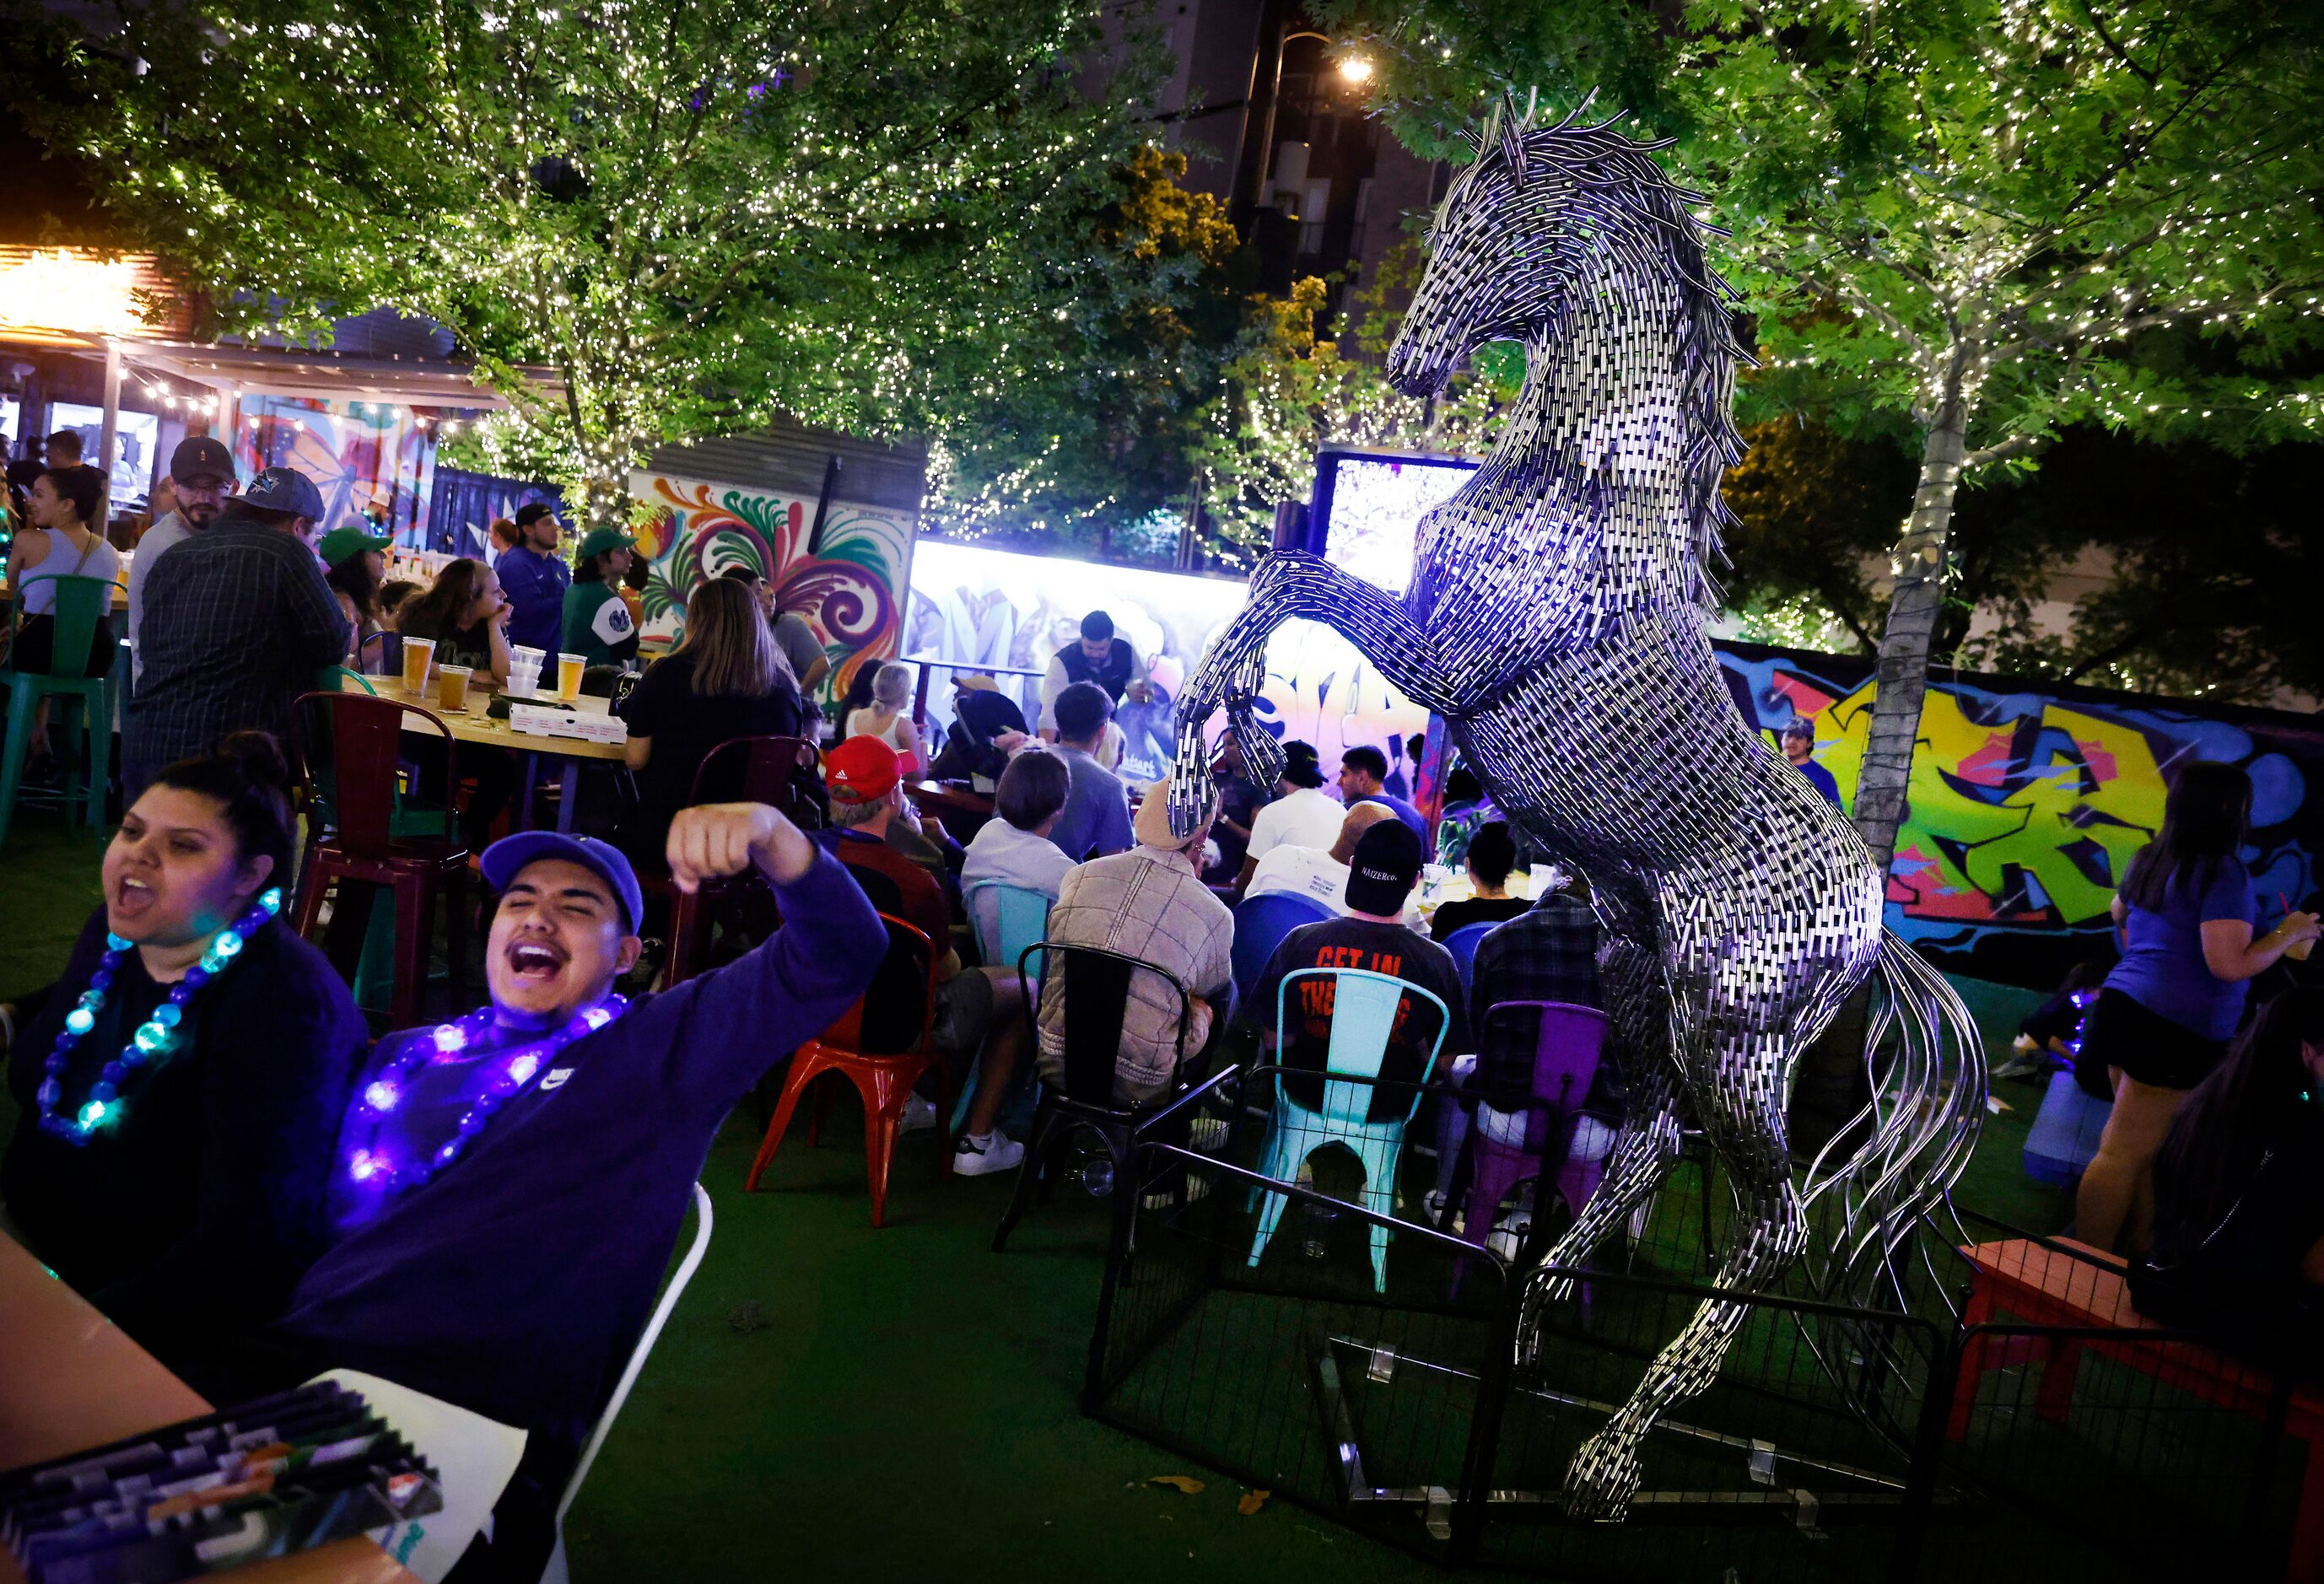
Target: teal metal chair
82	603
1021	921
1021	914
1364	1016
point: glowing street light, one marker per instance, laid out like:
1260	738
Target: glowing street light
1356	68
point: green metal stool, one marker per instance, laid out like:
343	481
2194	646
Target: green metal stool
82	603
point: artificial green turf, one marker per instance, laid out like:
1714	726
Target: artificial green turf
833	1401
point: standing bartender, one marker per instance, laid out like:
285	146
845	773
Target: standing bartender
1099	657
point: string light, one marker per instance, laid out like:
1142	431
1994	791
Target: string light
154	1041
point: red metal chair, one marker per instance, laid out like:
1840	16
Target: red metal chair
755	769
344	750
884	1080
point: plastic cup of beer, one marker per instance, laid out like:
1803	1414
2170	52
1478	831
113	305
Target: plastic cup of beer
2298	950
452	686
419	654
568	675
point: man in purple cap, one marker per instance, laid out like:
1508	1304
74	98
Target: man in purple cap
510	1182
201	472
235	622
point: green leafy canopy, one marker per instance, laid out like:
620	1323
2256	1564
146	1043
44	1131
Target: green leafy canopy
646	219
2002	206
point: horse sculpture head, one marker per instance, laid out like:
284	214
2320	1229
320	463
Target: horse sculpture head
1572	239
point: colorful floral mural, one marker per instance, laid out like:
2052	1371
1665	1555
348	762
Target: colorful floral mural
851	593
359	454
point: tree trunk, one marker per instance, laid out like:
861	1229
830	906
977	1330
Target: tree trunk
1912	611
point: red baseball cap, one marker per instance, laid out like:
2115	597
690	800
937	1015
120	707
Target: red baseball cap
861	769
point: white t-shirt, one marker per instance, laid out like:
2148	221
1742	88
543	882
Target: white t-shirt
1311	872
1000	852
1309	817
169	530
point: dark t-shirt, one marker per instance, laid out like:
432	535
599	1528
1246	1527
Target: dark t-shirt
470	646
685	726
195	1214
1239	799
2251	1258
1376	948
903	889
1460	915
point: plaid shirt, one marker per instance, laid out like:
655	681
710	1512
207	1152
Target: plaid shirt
1549	953
1146	903
235	623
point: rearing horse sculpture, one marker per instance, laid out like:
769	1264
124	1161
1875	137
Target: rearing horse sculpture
1555	617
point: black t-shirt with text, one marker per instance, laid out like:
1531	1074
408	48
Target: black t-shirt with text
1375	948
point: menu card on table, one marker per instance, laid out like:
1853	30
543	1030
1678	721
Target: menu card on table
280	1475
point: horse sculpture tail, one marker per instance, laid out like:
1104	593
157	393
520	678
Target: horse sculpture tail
1898	1157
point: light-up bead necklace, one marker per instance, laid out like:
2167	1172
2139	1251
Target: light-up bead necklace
503	1075
156	1039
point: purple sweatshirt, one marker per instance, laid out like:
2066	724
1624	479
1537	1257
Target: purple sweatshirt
516	1281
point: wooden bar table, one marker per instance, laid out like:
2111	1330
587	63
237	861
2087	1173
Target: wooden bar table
70	1379
961	812
472	725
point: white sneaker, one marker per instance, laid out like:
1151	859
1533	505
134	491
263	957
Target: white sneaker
919	1114
996	1152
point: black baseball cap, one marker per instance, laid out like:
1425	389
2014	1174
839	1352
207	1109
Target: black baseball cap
201	456
1301	765
1385	868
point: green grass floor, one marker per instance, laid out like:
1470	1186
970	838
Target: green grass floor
832	1401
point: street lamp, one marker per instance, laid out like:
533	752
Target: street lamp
1356	69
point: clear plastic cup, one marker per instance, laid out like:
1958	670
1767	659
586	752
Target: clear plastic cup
418	655
524	680
452	686
568	675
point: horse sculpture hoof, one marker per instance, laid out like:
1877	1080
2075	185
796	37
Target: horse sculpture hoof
1603	1480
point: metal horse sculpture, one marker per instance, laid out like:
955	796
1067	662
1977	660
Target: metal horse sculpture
1555	619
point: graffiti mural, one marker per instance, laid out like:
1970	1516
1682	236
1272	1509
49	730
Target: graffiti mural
852	591
2027	805
363	454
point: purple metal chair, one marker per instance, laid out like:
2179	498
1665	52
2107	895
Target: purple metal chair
1566	1059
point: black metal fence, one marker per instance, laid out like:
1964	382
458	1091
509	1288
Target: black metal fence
1435	1401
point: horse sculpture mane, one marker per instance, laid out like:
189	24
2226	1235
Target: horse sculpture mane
1645	226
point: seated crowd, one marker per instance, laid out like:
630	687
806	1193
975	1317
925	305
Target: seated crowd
209	1146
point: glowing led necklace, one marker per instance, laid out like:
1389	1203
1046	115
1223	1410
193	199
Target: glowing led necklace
505	1075
156	1039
